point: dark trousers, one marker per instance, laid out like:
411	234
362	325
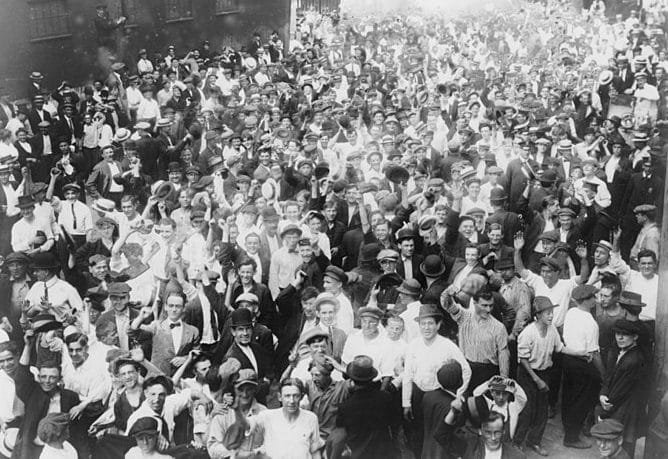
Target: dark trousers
91	157
480	373
580	395
415	428
555	379
116	197
533	418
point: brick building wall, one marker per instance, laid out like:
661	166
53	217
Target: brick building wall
58	38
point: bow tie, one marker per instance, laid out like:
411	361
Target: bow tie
174	325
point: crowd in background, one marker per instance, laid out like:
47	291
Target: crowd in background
390	235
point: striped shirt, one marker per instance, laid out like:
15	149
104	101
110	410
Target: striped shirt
481	340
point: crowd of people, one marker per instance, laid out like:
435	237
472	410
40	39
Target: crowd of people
396	235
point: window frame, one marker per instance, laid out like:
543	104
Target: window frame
169	20
231	10
32	20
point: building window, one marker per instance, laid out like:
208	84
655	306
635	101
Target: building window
49	19
130	9
227	6
178	10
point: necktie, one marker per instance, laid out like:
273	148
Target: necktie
74	218
174	325
46	292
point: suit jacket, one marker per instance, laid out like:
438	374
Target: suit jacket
515	180
62	128
267	308
343	217
163	347
194	315
34	119
110	317
100	179
265	252
36	408
265	364
416	261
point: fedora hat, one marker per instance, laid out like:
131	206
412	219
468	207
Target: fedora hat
361	369
164	189
428	310
321	170
410	287
432	266
397	174
627	298
25	202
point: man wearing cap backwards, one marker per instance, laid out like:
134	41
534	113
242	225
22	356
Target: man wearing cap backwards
425	354
581	375
623	396
227	436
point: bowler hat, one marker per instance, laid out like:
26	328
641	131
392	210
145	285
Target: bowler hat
397	174
369	252
361	369
241	317
44	260
449	376
432	266
321	170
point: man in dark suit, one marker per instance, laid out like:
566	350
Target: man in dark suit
37	113
409	262
348	209
45	147
250	354
69	126
510	222
624	79
270	241
520	170
38	398
172	338
644	187
101	179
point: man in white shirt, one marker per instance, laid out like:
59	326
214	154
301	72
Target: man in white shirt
148	109
371	342
424	356
143	64
334	279
75	216
30	235
645	282
582	376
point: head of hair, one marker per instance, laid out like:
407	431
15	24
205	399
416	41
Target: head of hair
167	221
77	338
308	293
647	253
494	226
294	382
177	293
129	198
9	346
163	380
492	417
48	364
103	328
247	261
483	293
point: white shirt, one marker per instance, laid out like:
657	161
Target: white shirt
134	97
298	439
90	380
207	332
12	200
423	362
377	348
580	331
113	186
177	334
148	109
559	294
411	327
67	452
345	317
648	289
70	210
63	297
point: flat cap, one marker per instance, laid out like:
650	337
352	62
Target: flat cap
583	292
336	273
118	288
566	212
247	297
370	311
550	262
388	254
626	327
644	208
607	429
